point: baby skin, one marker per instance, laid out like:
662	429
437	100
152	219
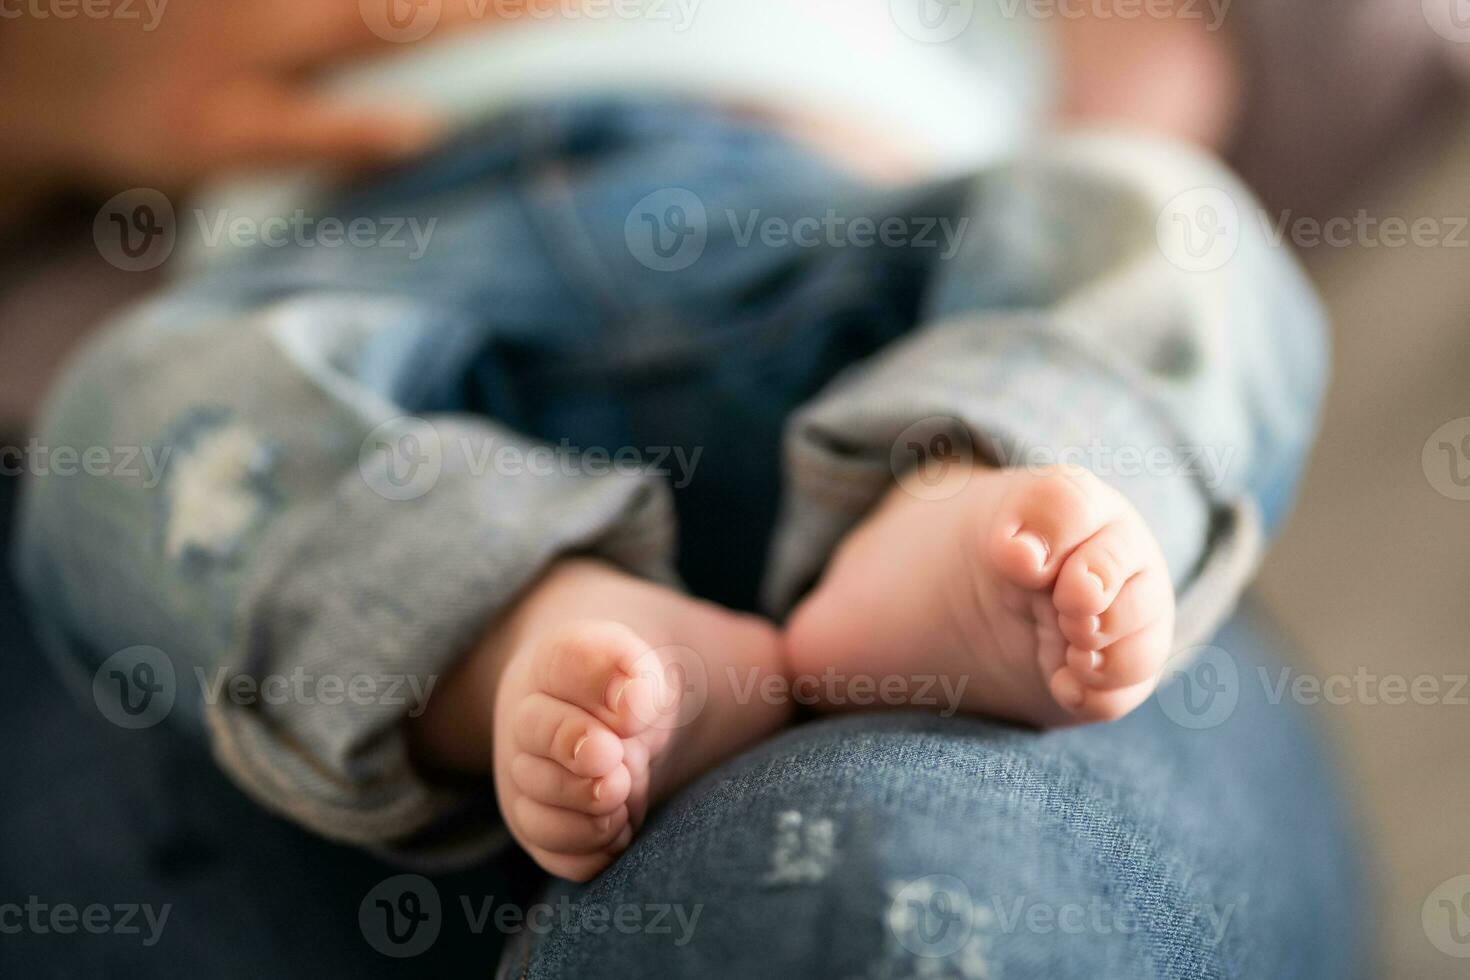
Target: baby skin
1040	595
596	697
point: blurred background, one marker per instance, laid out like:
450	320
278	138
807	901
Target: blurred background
1372	577
1354	111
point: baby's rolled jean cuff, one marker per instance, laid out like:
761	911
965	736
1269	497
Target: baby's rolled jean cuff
1007	391
381	597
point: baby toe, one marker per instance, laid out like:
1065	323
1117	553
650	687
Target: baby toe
1133	660
1144	599
575	867
1043	520
1083	632
563	831
1096	572
1087	705
608	671
551	783
1068	690
567	735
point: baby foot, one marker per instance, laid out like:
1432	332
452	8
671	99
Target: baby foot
1039	597
584	719
598	718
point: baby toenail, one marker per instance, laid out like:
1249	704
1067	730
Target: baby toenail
1069	692
597	789
604	823
1085	661
1094	624
615	690
578	747
1035	544
1103	586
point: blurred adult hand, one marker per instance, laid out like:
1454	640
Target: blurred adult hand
183	88
1175	74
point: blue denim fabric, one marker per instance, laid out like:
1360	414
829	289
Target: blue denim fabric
899	846
97	815
537	313
1146	820
535	309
